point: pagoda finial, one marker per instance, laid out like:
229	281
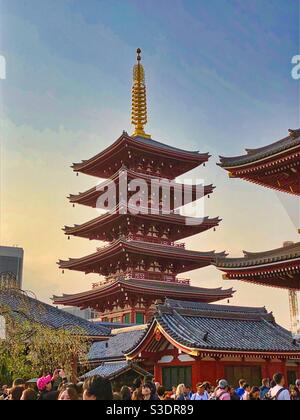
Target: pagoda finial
139	100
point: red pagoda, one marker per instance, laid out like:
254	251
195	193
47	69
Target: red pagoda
142	259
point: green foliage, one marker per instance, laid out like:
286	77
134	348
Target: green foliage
31	348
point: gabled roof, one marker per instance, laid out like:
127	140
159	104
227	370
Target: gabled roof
154	288
207	328
42	313
254	155
112	370
95	165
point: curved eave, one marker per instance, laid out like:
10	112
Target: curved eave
145	289
87	166
250	161
98	224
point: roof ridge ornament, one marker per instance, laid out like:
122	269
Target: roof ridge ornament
139	99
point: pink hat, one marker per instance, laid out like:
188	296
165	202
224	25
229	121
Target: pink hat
43	381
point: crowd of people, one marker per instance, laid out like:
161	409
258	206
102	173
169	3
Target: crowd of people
57	387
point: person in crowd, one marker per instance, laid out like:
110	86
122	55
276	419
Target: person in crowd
208	388
241	390
297	389
4	392
294	393
69	393
173	393
137	390
19	382
44	386
97	388
254	394
79	390
247	389
181	392
15	393
162	394
29	394
149	391
222	391
272	384
279	392
233	395
125	393
265	388
201	394
188	392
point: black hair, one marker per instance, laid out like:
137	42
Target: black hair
277	377
125	393
99	387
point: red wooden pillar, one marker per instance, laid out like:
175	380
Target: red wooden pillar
132	316
266	371
157	372
219	369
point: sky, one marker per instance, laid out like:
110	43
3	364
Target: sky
218	77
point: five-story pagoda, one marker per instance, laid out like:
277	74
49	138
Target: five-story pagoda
142	259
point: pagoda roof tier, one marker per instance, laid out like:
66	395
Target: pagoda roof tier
276	166
121	251
201	329
91	196
179	226
125	290
277	268
129	150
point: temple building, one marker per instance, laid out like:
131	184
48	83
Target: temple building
142	259
190	342
276	166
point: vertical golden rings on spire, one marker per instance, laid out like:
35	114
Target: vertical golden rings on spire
139	99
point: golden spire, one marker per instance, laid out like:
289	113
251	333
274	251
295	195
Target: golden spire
139	101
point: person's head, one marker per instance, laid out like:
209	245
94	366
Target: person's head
28	395
147	390
19	382
207	386
180	389
254	393
188	389
200	388
266	382
161	391
223	384
272	383
294	391
15	393
137	383
148	378
4	389
297	384
157	385
44	383
69	394
242	383
97	388
174	387
279	379
247	387
125	393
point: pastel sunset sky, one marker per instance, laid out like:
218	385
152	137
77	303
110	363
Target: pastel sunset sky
218	77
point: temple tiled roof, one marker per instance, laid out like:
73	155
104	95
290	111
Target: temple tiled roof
42	313
209	327
112	370
251	259
116	346
253	155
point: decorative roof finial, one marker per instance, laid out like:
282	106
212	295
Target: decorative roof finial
139	100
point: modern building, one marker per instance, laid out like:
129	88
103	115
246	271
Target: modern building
11	265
